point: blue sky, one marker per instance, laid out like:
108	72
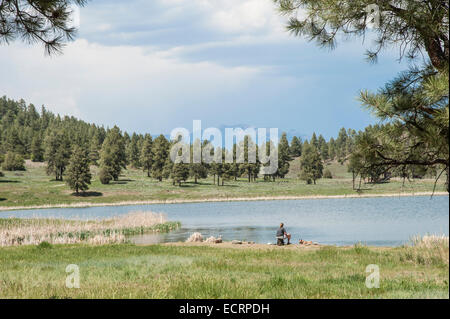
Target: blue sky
151	66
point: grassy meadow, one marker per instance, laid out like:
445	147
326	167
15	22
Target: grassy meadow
34	188
112	268
212	271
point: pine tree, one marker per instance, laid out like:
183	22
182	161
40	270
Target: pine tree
197	170
104	176
49	22
420	27
112	155
167	169
283	156
78	172
341	145
257	166
57	153
332	149
270	146
94	149
351	136
311	164
323	148
180	172
414	106
13	162
13	142
296	147
314	141
228	172
234	167
247	167
133	152
160	150
146	158
217	164
206	146
37	153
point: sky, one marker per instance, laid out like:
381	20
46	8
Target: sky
151	66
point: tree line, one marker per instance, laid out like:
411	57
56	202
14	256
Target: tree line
69	147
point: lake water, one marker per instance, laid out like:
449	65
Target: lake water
383	221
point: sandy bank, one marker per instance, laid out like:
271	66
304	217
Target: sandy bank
244	245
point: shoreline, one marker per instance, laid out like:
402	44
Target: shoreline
213	200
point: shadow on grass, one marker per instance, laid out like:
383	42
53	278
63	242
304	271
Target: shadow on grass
379	182
2	199
199	183
193	184
87	194
121	182
8	181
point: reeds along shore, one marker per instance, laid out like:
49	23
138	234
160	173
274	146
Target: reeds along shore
428	249
33	231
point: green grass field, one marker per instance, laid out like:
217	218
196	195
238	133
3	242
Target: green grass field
190	271
33	187
163	271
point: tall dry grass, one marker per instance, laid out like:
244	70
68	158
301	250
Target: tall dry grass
33	231
428	250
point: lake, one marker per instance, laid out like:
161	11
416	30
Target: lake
382	221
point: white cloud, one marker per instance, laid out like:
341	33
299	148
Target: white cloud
94	81
172	61
244	16
195	18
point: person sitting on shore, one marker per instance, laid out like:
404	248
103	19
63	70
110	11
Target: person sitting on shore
282	234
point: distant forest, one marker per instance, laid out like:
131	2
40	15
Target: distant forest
69	146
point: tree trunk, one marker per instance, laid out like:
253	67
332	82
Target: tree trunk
448	181
437	57
353	181
195	179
